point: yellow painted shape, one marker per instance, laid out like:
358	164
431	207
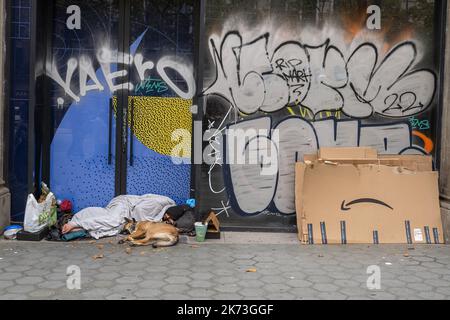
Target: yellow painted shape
155	119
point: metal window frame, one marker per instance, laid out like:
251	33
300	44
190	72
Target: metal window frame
7	93
199	67
440	51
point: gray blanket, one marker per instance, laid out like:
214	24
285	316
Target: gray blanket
109	221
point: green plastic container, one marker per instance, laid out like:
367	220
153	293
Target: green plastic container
200	230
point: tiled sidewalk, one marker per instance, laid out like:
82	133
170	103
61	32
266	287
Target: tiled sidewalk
233	269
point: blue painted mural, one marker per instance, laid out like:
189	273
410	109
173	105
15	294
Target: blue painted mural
85	81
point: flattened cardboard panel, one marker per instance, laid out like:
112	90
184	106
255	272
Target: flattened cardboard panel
370	199
410	162
347	154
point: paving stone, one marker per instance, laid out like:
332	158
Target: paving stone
252	292
420	287
227	297
152	284
274	288
117	297
98	293
323	287
5	284
41	294
280	296
178	280
10	275
176	288
332	296
431	296
148	293
127	280
12	296
382	296
227	288
219	272
52	284
107	276
29	280
201	276
225	280
173	296
201	293
299	283
20	289
273	279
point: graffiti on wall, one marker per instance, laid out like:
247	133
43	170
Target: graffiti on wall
311	96
320	77
89	80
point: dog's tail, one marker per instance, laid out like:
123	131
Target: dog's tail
166	241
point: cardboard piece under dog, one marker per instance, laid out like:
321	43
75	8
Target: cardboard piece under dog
387	200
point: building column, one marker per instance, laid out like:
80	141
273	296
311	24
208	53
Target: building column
5	197
445	140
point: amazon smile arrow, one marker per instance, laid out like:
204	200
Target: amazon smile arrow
347	207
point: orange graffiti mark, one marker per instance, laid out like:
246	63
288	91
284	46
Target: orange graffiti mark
429	144
353	25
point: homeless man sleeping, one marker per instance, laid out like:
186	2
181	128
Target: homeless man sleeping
110	221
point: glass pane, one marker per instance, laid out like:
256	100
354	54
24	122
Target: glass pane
81	95
162	37
319	73
18	103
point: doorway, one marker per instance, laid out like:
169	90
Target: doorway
114	106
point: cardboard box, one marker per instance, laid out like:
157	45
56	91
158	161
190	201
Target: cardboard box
336	154
365	203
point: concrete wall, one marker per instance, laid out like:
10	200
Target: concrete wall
5	197
445	141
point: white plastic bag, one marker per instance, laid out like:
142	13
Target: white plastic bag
39	215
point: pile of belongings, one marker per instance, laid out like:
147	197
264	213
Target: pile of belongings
64	216
183	218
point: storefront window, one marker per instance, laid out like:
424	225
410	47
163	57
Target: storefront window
321	74
18	105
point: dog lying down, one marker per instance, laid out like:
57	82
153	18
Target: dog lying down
144	233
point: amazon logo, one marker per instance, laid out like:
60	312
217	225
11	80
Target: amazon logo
348	206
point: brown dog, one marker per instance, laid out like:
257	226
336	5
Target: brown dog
155	234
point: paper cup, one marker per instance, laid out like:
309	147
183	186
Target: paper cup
200	230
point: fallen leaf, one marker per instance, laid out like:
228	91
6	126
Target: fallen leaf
128	250
100	247
406	255
92	242
97	257
253	270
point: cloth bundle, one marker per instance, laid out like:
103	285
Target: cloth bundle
109	221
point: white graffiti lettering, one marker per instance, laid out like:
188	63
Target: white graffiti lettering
322	78
109	60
